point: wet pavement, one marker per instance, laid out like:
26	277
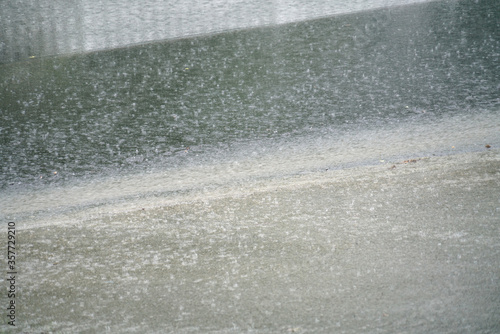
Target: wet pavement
404	247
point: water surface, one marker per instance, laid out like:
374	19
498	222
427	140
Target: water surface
45	27
196	100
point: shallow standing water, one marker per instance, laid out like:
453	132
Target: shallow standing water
283	173
144	106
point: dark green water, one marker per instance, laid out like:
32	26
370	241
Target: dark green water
192	100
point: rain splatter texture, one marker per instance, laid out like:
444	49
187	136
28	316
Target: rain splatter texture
46	27
190	100
332	175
